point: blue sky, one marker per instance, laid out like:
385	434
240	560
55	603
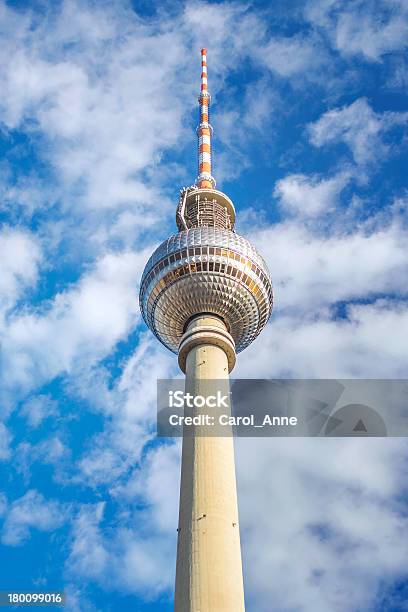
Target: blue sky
98	110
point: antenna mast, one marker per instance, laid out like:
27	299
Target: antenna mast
205	180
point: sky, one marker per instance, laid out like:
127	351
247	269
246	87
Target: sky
98	110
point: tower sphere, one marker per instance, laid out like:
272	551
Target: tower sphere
206	268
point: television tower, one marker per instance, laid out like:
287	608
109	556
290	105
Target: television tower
206	294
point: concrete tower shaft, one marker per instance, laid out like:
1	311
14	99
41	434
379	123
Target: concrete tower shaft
209	567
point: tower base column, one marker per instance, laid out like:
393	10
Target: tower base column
209	567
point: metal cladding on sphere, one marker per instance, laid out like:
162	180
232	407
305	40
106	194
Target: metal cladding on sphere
206	267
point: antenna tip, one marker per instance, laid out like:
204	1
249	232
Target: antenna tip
203	51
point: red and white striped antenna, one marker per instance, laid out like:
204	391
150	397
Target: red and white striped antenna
205	180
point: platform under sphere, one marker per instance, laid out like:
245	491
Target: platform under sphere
206	269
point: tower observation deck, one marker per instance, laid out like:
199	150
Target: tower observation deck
206	294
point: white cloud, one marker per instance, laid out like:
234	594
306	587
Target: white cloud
131	408
156	483
247	35
369	343
3	504
77	599
318	269
294	55
312	270
94	83
235	128
20	256
49	451
38	408
231	23
91	86
5	438
82	323
307	196
323	520
372	39
31	511
326	516
359	127
102	125
88	556
21	197
134	563
142	564
356	29
398	76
